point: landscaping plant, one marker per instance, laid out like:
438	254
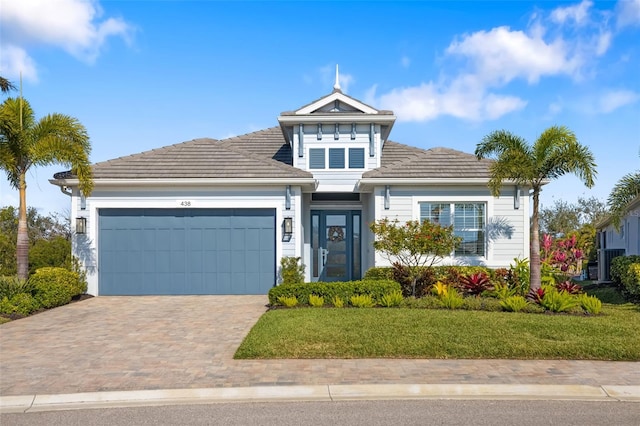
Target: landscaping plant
591	304
288	301
316	301
476	284
291	270
414	244
391	300
361	301
513	303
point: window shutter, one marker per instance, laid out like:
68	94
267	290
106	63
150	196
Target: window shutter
336	158
356	158
316	158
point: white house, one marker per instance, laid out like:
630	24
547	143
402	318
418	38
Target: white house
216	216
618	242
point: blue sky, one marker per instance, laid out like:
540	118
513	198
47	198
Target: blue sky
145	74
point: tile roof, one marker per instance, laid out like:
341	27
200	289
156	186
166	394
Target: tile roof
206	158
265	154
403	161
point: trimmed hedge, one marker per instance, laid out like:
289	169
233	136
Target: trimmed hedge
56	286
444	273
620	267
344	290
631	282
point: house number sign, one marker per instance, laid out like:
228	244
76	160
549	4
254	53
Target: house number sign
185	203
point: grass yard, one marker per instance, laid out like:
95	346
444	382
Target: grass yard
438	333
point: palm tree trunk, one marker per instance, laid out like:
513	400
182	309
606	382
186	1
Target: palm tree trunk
22	246
534	248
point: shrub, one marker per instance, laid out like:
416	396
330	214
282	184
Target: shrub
620	267
501	291
558	301
10	286
425	279
631	282
22	303
316	301
291	270
361	301
391	300
591	304
569	286
518	277
375	288
513	303
476	284
55	286
439	289
379	273
337	302
288	301
54	252
451	299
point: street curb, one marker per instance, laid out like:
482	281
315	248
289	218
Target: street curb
35	403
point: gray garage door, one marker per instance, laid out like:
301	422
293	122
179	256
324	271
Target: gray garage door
186	251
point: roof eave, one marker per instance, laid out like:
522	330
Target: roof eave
367	184
305	183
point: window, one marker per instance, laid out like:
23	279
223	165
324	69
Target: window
336	158
468	220
316	158
356	158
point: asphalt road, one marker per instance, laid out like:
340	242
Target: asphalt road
370	413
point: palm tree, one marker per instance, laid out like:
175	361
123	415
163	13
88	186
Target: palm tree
624	191
6	85
25	142
555	153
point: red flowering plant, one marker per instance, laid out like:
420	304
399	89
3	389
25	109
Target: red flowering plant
561	257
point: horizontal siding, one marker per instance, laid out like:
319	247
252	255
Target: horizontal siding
507	227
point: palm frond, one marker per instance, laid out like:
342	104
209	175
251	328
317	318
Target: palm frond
623	192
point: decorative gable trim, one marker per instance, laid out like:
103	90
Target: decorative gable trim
331	100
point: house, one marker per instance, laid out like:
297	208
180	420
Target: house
216	216
612	242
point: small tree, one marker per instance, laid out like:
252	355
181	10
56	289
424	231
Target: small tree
415	244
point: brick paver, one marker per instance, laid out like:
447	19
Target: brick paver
155	342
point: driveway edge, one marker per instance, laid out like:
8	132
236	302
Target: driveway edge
35	403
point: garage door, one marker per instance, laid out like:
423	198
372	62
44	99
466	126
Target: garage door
186	251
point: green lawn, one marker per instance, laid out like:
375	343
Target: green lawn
435	333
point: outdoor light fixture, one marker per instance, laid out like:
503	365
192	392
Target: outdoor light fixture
81	225
288	225
516	198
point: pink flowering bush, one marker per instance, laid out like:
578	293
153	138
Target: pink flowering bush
562	255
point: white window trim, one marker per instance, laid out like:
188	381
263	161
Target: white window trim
459	199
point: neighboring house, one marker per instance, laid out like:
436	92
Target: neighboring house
216	216
623	242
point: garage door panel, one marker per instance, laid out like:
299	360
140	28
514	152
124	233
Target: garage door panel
190	251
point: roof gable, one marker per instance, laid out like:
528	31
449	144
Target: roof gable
336	102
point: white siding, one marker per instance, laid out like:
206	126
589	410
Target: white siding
501	214
85	247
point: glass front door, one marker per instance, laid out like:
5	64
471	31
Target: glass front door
335	245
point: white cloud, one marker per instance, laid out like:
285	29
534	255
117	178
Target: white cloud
479	67
628	13
15	60
502	55
578	13
614	99
72	25
463	98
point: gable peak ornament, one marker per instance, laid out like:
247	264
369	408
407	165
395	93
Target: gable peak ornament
336	86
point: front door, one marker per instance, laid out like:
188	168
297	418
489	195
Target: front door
335	245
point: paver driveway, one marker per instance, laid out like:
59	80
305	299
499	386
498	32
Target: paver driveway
177	342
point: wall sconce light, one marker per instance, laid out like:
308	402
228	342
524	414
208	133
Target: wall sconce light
516	198
81	225
288	225
387	197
